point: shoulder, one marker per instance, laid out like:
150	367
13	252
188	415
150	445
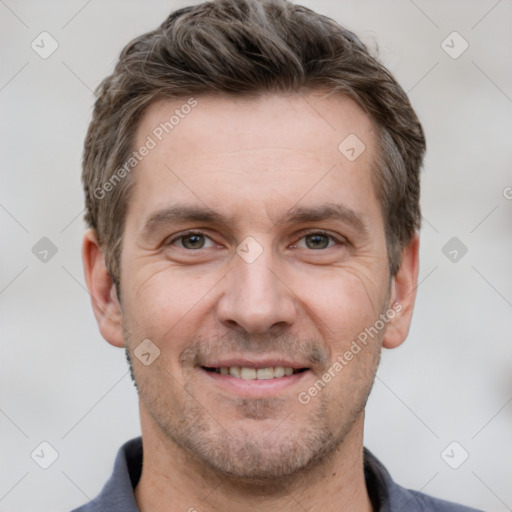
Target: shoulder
89	507
392	497
117	493
428	503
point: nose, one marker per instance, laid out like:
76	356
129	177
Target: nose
256	297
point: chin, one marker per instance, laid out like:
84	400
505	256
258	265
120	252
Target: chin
260	460
260	452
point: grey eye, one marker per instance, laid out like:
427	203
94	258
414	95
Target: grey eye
317	241
193	241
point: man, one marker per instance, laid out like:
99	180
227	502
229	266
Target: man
252	190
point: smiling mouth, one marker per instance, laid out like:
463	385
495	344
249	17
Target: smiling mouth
247	373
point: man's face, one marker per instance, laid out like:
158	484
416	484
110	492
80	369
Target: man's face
252	242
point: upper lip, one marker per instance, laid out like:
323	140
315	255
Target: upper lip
254	363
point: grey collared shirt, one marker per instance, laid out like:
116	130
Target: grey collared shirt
387	496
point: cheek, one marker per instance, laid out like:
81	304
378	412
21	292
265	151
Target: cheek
342	302
160	296
167	306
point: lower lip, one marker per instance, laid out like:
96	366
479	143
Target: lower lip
256	388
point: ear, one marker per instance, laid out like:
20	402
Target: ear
403	295
105	303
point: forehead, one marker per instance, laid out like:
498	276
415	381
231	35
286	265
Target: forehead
202	123
269	152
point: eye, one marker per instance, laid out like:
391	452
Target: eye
317	240
192	241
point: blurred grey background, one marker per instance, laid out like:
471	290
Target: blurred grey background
440	414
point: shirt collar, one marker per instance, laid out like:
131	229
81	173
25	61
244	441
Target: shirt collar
118	492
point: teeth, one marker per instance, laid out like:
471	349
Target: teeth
246	373
265	373
278	372
234	371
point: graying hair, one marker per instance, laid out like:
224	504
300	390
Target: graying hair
247	48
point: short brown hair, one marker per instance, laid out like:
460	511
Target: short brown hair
248	48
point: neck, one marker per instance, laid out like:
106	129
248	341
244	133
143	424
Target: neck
172	479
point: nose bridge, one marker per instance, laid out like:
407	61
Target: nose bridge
254	297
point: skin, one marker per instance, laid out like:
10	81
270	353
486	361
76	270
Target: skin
209	443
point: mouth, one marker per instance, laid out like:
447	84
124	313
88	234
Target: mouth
253	377
255	373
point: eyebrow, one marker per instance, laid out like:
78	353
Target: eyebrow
340	212
180	214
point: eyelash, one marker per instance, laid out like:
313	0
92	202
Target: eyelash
339	241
